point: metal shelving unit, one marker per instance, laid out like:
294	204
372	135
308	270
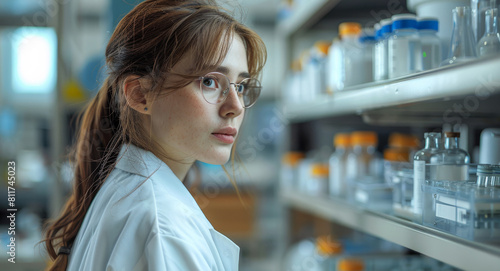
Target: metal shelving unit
447	248
426	95
445	83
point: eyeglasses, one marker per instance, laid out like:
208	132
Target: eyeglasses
215	89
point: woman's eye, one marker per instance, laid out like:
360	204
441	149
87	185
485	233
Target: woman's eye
210	82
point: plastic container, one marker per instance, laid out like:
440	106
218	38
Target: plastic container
334	65
367	42
318	182
289	171
489	146
364	163
463	209
315	70
440	9
380	53
400	176
349	56
337	163
404	47
431	44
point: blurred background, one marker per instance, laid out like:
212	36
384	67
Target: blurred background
52	64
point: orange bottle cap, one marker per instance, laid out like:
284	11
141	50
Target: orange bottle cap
342	140
397	155
319	170
322	46
364	138
350	264
292	158
349	28
328	247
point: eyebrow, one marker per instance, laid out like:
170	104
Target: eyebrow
225	70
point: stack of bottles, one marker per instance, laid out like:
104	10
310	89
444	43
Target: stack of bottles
354	254
401	45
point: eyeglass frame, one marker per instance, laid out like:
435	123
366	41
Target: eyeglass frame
226	91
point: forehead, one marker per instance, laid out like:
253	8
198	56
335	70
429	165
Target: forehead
234	61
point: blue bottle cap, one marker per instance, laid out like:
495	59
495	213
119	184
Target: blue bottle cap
404	21
428	24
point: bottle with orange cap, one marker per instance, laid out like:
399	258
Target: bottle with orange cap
289	174
349	55
364	162
337	163
318	182
351	264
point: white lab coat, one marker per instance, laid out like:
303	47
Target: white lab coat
159	226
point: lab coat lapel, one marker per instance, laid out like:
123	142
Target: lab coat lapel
228	251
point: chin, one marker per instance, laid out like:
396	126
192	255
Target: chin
217	158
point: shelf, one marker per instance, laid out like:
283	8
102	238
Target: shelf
447	248
476	78
305	16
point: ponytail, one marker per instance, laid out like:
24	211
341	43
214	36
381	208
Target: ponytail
94	156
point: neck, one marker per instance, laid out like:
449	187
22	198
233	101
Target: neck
179	168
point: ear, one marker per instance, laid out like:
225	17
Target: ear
135	91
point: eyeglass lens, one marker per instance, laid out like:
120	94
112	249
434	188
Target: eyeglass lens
216	87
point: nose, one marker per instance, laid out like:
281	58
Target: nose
232	106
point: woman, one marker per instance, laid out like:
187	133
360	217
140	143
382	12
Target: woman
181	74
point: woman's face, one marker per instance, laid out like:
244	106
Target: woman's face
189	128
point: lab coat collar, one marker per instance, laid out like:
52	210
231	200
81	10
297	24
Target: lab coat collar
144	163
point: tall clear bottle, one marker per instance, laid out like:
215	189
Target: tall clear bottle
337	164
349	55
380	67
404	47
463	46
420	174
364	163
431	44
489	44
452	162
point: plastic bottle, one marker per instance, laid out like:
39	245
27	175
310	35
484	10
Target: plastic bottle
420	174
315	69
363	163
489	146
463	46
489	44
349	56
404	47
337	162
452	162
367	41
334	65
289	172
380	54
318	181
351	264
431	44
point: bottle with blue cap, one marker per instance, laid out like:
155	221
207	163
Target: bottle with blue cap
431	44
380	67
404	47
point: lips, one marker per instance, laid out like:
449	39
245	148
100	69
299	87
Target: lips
226	134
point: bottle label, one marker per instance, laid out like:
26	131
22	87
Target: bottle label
451	173
418	180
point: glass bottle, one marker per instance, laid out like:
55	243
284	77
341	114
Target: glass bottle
484	175
478	8
452	161
462	47
404	47
431	44
337	163
420	174
489	44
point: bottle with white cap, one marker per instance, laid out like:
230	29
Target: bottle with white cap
431	44
380	67
404	47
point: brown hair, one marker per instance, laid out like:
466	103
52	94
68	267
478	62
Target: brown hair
147	43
